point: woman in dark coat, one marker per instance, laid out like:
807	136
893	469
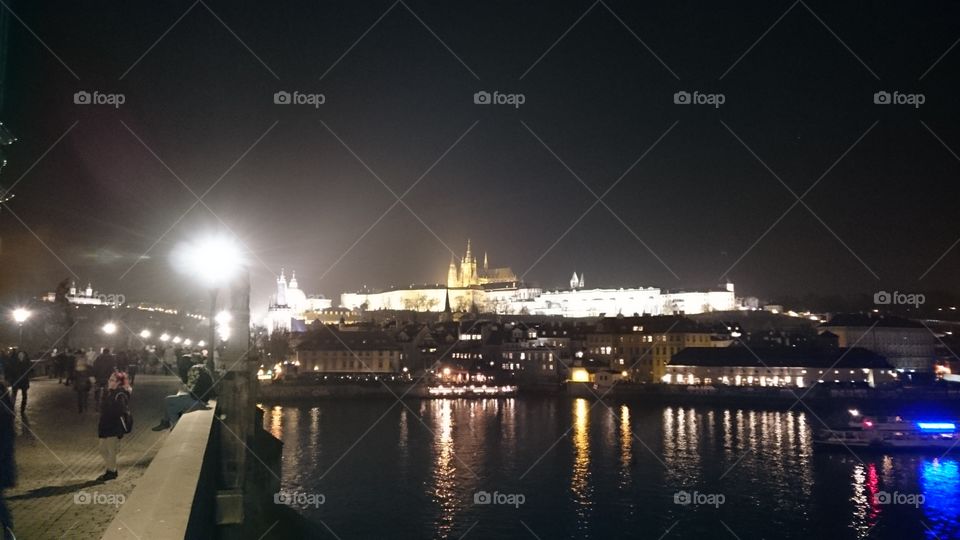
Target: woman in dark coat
111	428
8	469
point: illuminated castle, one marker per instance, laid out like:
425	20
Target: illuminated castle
290	304
470	275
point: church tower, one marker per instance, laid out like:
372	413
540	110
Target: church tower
452	278
574	281
282	289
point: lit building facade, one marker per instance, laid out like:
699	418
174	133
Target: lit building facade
499	290
786	367
331	351
907	345
643	346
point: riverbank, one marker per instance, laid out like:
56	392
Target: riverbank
777	398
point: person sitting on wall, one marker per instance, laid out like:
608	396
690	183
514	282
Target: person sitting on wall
198	389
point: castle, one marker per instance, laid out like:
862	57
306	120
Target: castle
470	275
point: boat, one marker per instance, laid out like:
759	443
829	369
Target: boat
890	433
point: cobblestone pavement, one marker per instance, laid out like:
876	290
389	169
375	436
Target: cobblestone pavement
57	495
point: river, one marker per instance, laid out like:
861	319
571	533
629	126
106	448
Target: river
557	467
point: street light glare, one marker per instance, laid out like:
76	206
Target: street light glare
212	260
109	328
165	337
145	334
20	315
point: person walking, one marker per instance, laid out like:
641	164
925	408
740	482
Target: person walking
103	366
115	422
82	383
19	376
8	467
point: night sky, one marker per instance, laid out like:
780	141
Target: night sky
399	89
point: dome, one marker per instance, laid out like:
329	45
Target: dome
296	299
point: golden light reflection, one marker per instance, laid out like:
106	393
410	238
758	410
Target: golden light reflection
276	422
444	471
404	433
626	446
580	479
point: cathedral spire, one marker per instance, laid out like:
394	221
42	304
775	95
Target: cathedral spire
485	265
468	256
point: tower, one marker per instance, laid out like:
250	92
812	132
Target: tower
293	280
452	278
580	285
574	281
281	289
485	265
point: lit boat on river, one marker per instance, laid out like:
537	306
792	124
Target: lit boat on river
890	433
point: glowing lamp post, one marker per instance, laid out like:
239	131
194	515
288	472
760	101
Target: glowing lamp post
20	316
213	261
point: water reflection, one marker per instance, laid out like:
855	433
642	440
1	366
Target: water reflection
444	470
940	486
276	422
580	479
626	447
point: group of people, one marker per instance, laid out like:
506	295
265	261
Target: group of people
111	377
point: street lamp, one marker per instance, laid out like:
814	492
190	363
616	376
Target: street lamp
20	316
145	334
213	261
109	328
164	337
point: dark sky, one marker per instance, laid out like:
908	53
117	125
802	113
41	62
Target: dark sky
202	97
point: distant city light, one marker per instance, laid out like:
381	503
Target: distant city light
110	328
201	343
145	334
187	342
177	339
165	337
